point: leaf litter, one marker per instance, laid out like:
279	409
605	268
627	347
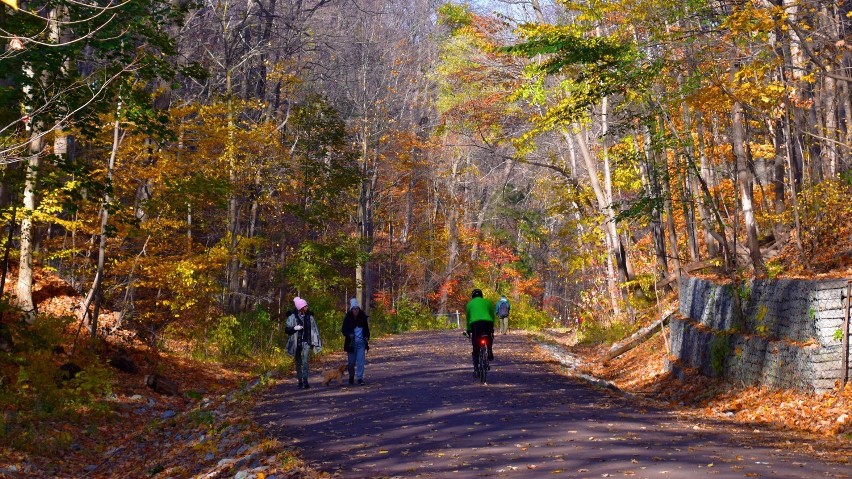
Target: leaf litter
818	424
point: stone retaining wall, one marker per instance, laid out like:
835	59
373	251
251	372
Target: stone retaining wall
785	337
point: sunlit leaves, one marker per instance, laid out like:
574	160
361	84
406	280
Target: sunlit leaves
564	46
752	23
454	16
589	68
316	266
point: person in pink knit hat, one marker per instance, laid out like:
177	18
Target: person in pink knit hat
304	338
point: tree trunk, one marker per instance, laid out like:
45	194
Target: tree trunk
452	235
8	247
846	152
95	291
24	289
616	249
829	96
363	280
794	119
651	182
686	198
779	172
721	235
704	176
794	197
689	217
745	183
233	273
670	225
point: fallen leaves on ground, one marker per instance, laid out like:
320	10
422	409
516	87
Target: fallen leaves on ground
202	432
820	423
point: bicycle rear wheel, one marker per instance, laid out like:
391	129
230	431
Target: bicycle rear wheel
483	364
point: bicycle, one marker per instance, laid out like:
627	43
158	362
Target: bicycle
482	365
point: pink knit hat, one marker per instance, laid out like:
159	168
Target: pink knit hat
300	303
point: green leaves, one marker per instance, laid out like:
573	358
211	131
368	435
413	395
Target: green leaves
564	46
317	267
588	68
71	67
454	16
639	208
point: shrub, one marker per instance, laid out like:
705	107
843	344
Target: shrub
252	335
720	347
407	315
329	320
34	394
825	226
525	315
596	332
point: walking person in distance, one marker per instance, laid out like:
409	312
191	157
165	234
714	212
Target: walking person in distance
502	310
356	333
304	338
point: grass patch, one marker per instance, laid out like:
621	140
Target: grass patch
406	315
593	332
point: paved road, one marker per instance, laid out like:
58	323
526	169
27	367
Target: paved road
422	414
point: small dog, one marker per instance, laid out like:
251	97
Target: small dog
332	374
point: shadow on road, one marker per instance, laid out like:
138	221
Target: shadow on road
422	414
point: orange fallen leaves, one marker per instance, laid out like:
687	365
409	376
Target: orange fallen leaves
640	372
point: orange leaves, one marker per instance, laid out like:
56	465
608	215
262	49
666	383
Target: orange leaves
499	254
640	371
795	410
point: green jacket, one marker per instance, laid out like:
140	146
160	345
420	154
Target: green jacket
478	309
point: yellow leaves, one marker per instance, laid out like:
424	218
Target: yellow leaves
754	22
51	206
711	98
761	95
185	271
285	72
809	78
532	30
762	150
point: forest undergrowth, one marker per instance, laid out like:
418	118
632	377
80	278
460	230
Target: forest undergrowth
69	412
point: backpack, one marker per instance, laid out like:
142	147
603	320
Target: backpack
503	309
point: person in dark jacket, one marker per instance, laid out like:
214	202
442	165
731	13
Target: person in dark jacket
304	338
356	333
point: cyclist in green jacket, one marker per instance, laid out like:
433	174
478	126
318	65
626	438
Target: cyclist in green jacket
479	316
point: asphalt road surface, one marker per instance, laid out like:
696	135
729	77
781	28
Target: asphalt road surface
422	414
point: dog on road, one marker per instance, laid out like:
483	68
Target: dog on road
332	374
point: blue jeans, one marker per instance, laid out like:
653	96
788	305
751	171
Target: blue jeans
302	355
357	358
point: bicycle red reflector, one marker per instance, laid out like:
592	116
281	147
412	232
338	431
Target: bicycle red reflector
483	341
